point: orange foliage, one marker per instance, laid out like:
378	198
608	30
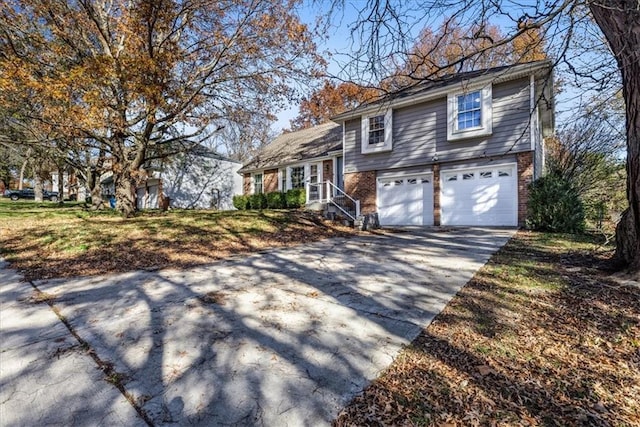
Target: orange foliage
529	45
453	48
330	100
133	75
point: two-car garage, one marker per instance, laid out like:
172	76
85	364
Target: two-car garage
479	196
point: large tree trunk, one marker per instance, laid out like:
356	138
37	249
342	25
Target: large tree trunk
125	193
620	22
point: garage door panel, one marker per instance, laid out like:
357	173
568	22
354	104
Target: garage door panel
482	196
405	200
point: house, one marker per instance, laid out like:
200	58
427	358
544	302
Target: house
302	159
460	150
199	179
73	187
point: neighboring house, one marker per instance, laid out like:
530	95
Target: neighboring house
72	187
457	151
200	179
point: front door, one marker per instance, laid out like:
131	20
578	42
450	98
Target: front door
339	173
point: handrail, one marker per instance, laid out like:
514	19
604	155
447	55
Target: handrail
331	184
339	191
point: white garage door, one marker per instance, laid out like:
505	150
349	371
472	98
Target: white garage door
406	200
480	196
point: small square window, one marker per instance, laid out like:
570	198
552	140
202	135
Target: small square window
504	172
486	174
452	178
398	182
467	176
412	181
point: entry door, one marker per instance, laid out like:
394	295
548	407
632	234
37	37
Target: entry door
141	194
339	173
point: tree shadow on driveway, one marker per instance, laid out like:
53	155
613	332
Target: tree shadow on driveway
283	337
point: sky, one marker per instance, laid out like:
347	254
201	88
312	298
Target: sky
337	41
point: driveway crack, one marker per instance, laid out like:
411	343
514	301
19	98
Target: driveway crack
111	375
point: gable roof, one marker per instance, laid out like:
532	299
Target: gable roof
301	145
432	89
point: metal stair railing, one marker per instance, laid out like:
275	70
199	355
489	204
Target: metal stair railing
341	200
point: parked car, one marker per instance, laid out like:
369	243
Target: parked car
29	193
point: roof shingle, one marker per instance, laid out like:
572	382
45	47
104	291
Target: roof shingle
302	145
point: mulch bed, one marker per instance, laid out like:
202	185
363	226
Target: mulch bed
540	336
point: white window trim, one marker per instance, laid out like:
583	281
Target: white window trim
387	144
281	172
487	114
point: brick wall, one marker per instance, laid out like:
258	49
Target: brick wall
436	194
362	186
525	176
270	180
246	183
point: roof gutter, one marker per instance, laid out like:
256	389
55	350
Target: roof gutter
327	156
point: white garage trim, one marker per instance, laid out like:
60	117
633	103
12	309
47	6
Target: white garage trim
482	196
405	199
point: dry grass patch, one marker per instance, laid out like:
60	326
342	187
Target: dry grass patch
540	336
46	241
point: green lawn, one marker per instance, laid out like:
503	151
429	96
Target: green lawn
46	240
540	336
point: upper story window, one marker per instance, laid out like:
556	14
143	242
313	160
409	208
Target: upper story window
469	113
377	132
257	184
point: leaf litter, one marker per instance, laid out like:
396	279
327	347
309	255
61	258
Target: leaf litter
542	335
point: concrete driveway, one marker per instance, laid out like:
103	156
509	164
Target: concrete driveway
284	337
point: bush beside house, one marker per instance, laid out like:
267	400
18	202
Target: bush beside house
554	205
292	199
276	200
240	202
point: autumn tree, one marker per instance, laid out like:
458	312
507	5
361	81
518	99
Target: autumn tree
574	32
331	99
453	48
144	80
